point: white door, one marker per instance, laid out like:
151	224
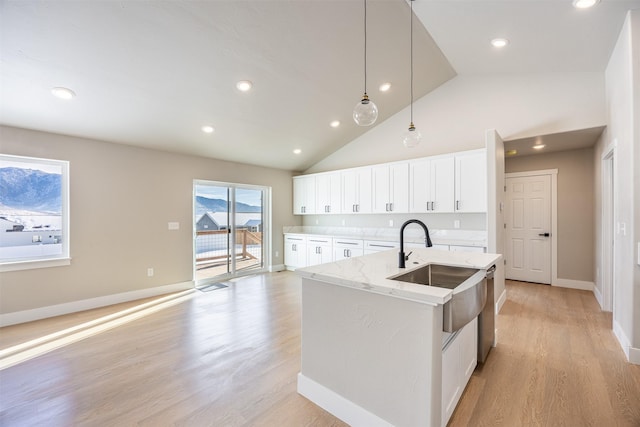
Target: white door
528	228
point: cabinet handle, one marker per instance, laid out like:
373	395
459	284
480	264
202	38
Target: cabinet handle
293	247
357	208
390	207
349	253
432	206
344	253
353	208
457	205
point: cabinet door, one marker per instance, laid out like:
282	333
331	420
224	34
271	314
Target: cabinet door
304	195
295	255
365	191
399	188
419	186
328	193
381	187
349	190
442	187
468	351
451	390
471	182
318	254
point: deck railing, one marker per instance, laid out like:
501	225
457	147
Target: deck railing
211	245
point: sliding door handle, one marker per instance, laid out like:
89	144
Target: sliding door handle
544	234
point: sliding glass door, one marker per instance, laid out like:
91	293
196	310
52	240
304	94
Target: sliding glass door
230	223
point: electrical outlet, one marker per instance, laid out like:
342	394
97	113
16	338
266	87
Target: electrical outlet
456	223
343	222
317	222
390	223
277	254
150	272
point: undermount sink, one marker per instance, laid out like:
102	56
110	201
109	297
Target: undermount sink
469	287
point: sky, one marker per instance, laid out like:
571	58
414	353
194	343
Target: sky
243	195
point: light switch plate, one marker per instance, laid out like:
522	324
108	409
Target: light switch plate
174	226
638	253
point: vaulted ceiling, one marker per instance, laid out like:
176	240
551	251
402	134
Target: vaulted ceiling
152	73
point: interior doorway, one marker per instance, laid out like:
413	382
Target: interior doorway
529	224
608	234
231	230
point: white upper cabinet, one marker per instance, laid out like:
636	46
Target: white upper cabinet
304	194
328	193
390	183
432	184
471	181
356	190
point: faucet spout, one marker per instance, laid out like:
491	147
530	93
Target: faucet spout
401	256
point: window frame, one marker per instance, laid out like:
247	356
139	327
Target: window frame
45	261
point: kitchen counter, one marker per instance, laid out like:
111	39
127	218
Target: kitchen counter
370	273
372	348
412	235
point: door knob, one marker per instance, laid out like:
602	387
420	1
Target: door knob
544	234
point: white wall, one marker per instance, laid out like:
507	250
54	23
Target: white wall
623	116
454	117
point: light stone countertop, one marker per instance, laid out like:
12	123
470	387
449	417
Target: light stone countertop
370	272
412	234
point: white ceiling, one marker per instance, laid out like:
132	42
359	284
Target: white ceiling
151	73
563	141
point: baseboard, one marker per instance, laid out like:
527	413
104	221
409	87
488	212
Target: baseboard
337	405
24	316
501	301
574	284
276	268
598	295
632	353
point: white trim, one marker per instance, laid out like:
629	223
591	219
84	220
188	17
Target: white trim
23	316
634	355
554	213
33	264
276	268
609	196
501	301
622	339
337	405
573	284
598	295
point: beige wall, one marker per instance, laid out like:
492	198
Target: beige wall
122	198
576	223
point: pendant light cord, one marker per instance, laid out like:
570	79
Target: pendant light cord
411	55
365	46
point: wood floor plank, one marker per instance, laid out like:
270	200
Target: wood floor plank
230	358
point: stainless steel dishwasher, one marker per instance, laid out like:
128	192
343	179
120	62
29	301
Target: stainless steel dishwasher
486	320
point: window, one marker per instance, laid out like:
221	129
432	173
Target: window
34	213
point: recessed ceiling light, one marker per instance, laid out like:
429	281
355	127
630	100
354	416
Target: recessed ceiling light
511	152
539	146
335	123
500	42
385	87
63	93
584	4
297	151
244	85
208	129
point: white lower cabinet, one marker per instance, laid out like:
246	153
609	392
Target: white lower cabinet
373	246
459	359
347	248
295	251
319	250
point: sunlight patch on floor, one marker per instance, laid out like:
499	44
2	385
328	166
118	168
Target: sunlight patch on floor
28	350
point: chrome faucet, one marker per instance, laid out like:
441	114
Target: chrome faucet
401	256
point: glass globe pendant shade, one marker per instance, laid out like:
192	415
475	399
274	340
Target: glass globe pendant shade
365	112
412	137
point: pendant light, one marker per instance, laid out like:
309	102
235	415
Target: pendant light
411	136
365	112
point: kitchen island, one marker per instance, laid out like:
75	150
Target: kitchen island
372	347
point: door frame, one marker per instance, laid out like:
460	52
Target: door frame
609	200
266	229
553	173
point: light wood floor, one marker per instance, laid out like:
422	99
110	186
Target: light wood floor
230	358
